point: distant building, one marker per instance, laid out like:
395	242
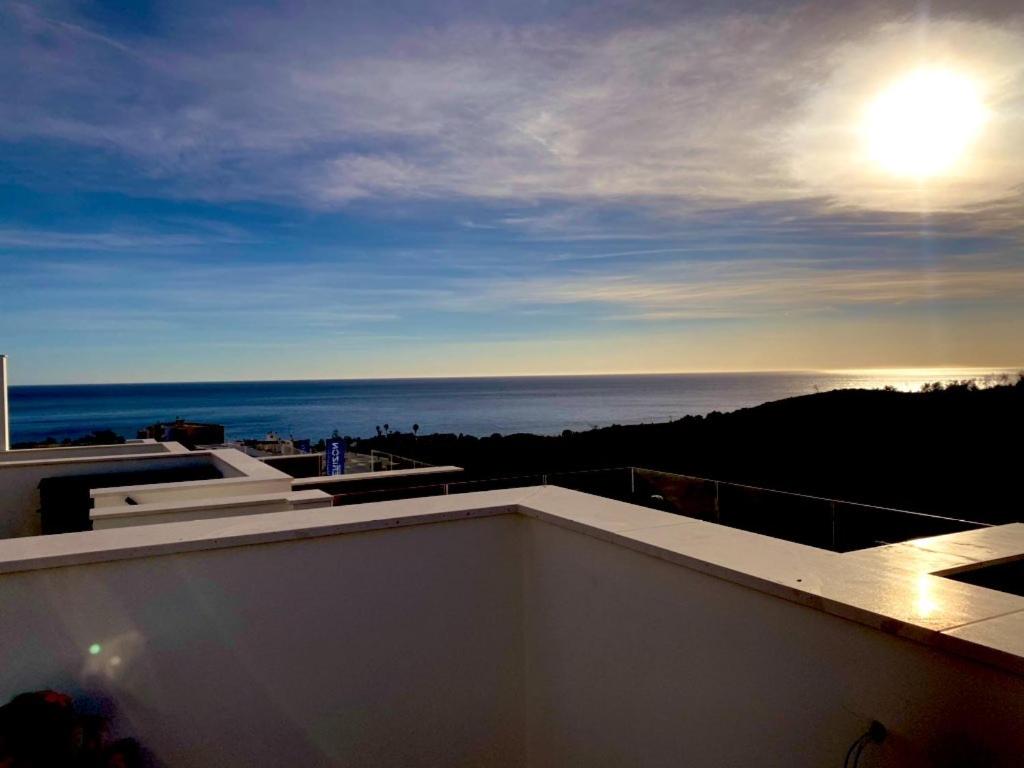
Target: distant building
188	433
275	445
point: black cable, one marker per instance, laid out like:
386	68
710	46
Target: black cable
876	733
860	751
860	741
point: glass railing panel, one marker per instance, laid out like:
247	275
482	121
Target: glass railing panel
860	526
382	461
609	483
801	519
818	522
679	494
387	494
494	484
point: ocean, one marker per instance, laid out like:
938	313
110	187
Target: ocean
477	406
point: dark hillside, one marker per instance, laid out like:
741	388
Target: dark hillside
954	451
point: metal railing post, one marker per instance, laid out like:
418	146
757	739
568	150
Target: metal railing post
632	481
835	525
718	505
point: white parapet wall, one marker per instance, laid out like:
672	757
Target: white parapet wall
121	516
19	480
396	647
21	472
241	475
57	453
633	660
526	627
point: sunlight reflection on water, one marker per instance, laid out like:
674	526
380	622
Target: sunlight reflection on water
476	406
913	379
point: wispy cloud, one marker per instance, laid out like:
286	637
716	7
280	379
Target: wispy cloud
752	107
123	240
378	294
762	288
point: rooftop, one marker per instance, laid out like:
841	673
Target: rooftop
245	620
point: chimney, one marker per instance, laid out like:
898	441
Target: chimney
5	431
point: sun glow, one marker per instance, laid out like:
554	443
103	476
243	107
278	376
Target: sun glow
922	125
925	603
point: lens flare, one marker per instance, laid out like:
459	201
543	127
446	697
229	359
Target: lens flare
922	125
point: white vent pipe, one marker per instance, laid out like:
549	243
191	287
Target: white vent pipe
5	430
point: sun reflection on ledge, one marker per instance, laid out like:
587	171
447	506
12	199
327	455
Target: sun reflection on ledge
925	604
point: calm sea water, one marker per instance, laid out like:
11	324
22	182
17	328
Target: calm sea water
478	406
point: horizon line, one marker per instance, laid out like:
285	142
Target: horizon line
994	369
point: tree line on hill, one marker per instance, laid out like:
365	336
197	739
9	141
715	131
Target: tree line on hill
952	450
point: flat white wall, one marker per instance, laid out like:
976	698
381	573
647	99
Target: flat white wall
19	499
398	647
499	641
635	661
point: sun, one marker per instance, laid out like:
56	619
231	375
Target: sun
922	125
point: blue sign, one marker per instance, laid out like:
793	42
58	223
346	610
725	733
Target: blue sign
334	455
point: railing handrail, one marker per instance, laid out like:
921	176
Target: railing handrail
544	478
374	452
817	498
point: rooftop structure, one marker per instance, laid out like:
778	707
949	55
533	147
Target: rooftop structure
244	620
188	433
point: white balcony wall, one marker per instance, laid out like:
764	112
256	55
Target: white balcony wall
498	641
388	648
632	660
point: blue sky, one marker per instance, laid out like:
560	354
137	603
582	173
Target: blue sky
311	190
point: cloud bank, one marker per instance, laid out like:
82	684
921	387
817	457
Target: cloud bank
756	106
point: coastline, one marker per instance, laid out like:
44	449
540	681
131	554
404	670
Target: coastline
544	405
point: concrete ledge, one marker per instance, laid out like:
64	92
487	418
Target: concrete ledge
242	475
908	602
107	518
71	549
22	457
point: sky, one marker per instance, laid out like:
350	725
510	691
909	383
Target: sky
196	191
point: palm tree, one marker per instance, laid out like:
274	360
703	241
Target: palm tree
415	429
